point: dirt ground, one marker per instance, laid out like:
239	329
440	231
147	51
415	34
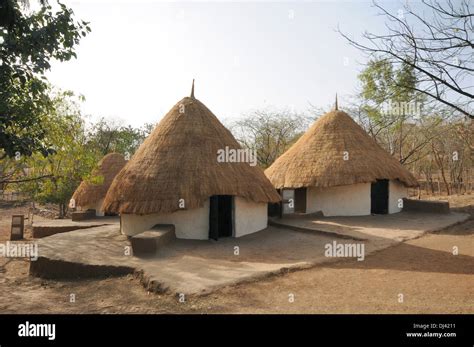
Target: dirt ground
424	270
7	209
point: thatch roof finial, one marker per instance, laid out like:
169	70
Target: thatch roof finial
335	105
192	90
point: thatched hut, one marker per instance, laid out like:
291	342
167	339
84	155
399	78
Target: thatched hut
90	194
175	177
337	168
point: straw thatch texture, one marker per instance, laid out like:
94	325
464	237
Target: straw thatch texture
108	167
317	158
179	161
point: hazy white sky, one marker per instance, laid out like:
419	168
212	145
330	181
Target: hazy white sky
141	56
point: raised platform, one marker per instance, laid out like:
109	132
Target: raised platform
397	227
82	215
50	227
199	267
300	226
426	206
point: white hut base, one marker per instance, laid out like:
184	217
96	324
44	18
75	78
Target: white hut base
349	200
397	191
97	207
248	217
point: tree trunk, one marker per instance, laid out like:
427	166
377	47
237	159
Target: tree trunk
445	181
439	162
61	210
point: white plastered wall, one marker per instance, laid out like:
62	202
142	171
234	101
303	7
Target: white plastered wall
287	195
249	216
349	200
98	208
189	224
396	191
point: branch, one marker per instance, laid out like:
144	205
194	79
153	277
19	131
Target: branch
26	179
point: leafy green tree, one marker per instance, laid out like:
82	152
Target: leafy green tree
28	42
107	136
71	161
426	142
392	104
381	87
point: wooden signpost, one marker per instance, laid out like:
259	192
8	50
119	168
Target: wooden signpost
18	227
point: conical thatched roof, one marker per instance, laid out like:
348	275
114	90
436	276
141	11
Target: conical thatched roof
317	158
108	167
179	161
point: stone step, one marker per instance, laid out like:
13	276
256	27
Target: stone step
150	241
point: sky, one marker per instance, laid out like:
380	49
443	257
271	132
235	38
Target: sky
141	56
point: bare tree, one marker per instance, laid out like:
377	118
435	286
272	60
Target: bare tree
439	48
270	132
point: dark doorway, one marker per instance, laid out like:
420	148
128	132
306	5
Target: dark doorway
300	200
275	209
220	216
379	197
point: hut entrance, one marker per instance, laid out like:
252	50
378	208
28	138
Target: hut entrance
288	201
294	200
379	197
220	216
300	200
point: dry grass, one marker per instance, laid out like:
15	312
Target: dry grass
317	158
89	193
179	161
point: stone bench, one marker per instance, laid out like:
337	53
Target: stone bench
150	241
411	205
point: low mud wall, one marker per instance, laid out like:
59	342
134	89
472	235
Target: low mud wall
59	269
411	205
44	231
